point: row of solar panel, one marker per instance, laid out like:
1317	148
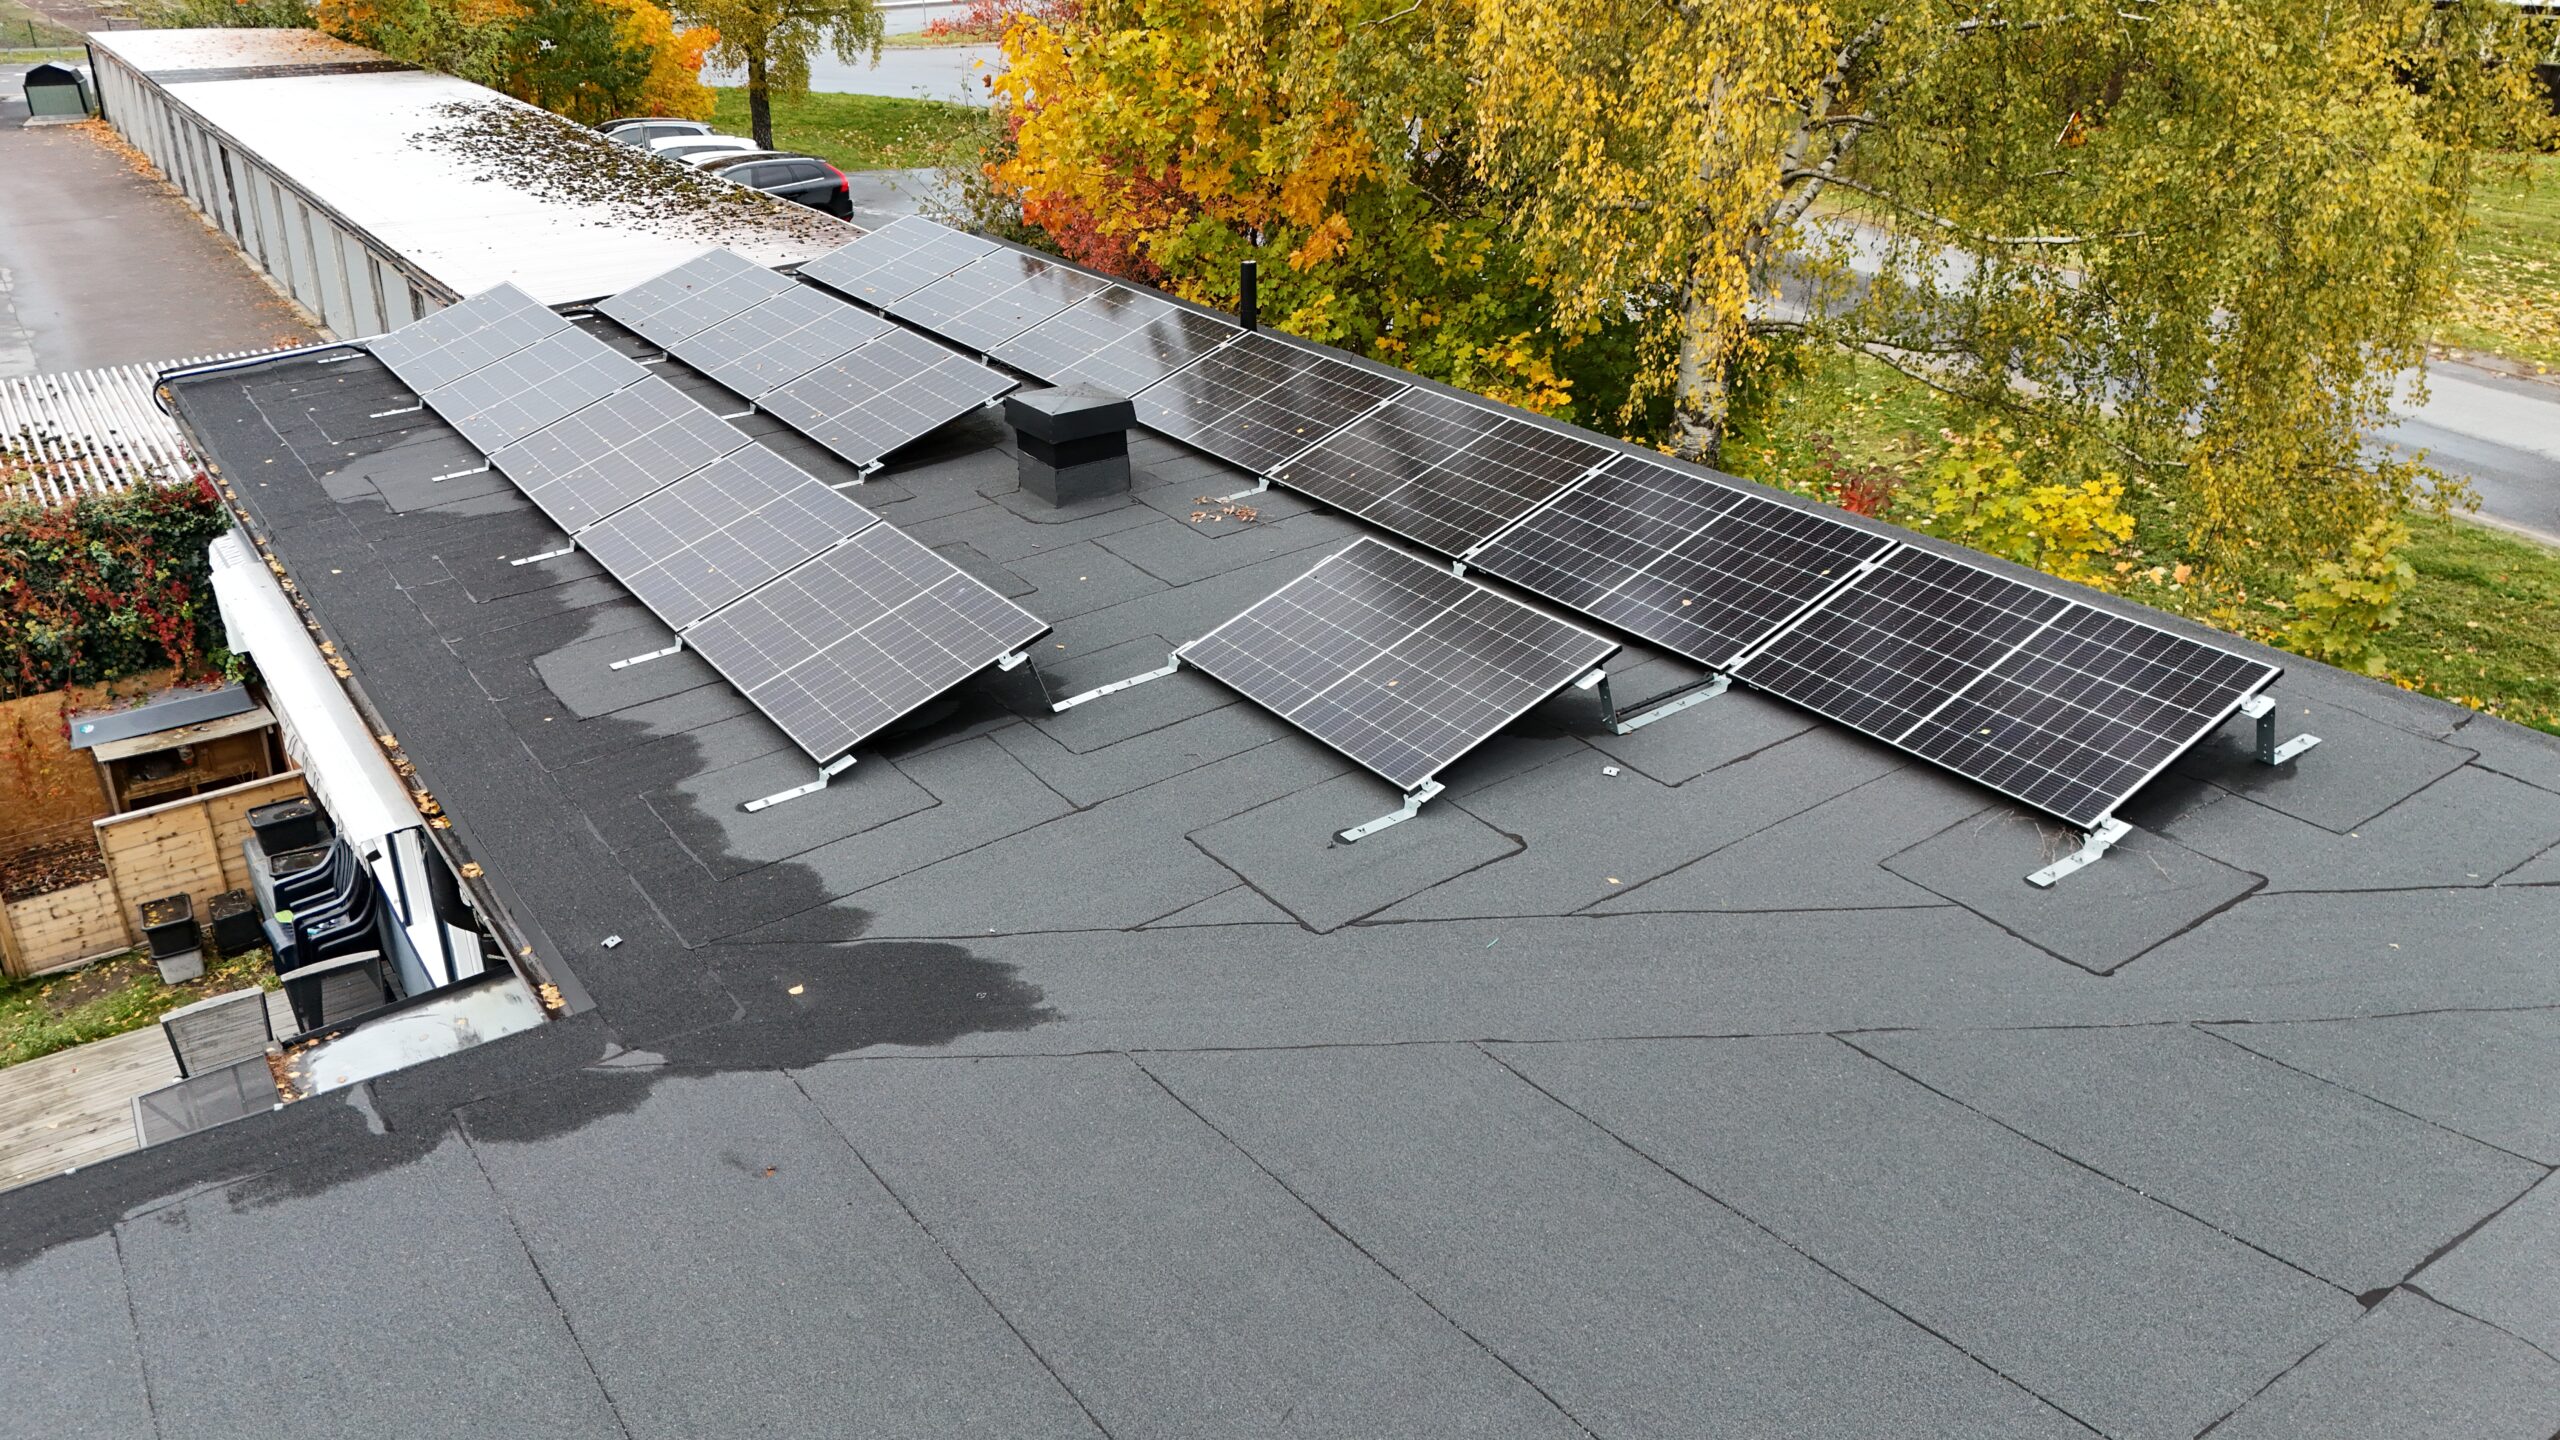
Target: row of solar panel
2049	700
842	376
828	619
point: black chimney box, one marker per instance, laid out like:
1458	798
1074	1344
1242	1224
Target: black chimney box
1074	441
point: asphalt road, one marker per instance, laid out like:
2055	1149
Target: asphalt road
2499	432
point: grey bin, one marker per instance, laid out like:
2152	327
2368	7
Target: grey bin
57	92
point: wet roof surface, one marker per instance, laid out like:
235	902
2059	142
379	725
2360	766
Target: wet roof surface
1054	1074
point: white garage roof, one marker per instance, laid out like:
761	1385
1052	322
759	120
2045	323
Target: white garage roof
527	197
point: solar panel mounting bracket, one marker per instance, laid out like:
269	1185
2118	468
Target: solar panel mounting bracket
1172	663
568	548
629	661
826	772
1259	485
480	469
2262	708
406	410
1412	804
2099	842
1669	702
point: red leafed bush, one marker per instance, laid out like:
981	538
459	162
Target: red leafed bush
107	586
985	20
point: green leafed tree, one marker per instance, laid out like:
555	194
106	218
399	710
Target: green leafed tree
2190	242
772	41
2194	240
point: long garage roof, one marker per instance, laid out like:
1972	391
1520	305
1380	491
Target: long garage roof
472	187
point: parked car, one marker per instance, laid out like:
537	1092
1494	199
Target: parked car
639	130
804	178
694	147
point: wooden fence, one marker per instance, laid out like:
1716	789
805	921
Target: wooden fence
191	846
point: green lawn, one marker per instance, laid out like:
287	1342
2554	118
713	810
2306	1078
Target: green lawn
22	31
2480	628
55	1012
2483	625
855	132
2508	297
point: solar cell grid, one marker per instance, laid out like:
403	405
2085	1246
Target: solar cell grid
1396	663
896	260
1702	568
1260	400
1884	653
994	298
452	342
631	443
868	403
721	532
785	337
2042	698
694	296
2086	711
533	387
1439	471
1122	340
852	640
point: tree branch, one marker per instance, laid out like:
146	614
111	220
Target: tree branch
1970	236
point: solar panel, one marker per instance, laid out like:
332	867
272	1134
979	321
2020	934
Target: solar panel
2038	697
721	532
631	443
896	260
1396	663
1701	568
1261	400
780	340
995	297
466	336
694	296
852	640
893	390
533	387
1440	471
1123	340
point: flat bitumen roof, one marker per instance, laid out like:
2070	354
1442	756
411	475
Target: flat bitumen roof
1058	1074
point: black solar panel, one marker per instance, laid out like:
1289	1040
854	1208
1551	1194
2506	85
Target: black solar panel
551	378
883	395
994	298
859	636
1261	400
721	532
896	260
631	443
442	347
2044	699
694	296
787	336
1122	340
1700	568
1438	470
1396	663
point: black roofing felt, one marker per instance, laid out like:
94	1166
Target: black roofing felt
1055	1074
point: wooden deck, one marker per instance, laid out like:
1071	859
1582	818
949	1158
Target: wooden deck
75	1107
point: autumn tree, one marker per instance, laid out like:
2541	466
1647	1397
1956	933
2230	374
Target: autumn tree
1169	140
2190	243
587	59
774	40
2196	240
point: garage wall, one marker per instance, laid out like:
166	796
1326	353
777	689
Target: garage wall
336	274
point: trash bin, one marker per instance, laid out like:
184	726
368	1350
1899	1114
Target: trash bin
169	933
57	92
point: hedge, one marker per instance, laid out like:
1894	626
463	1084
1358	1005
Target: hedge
108	586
